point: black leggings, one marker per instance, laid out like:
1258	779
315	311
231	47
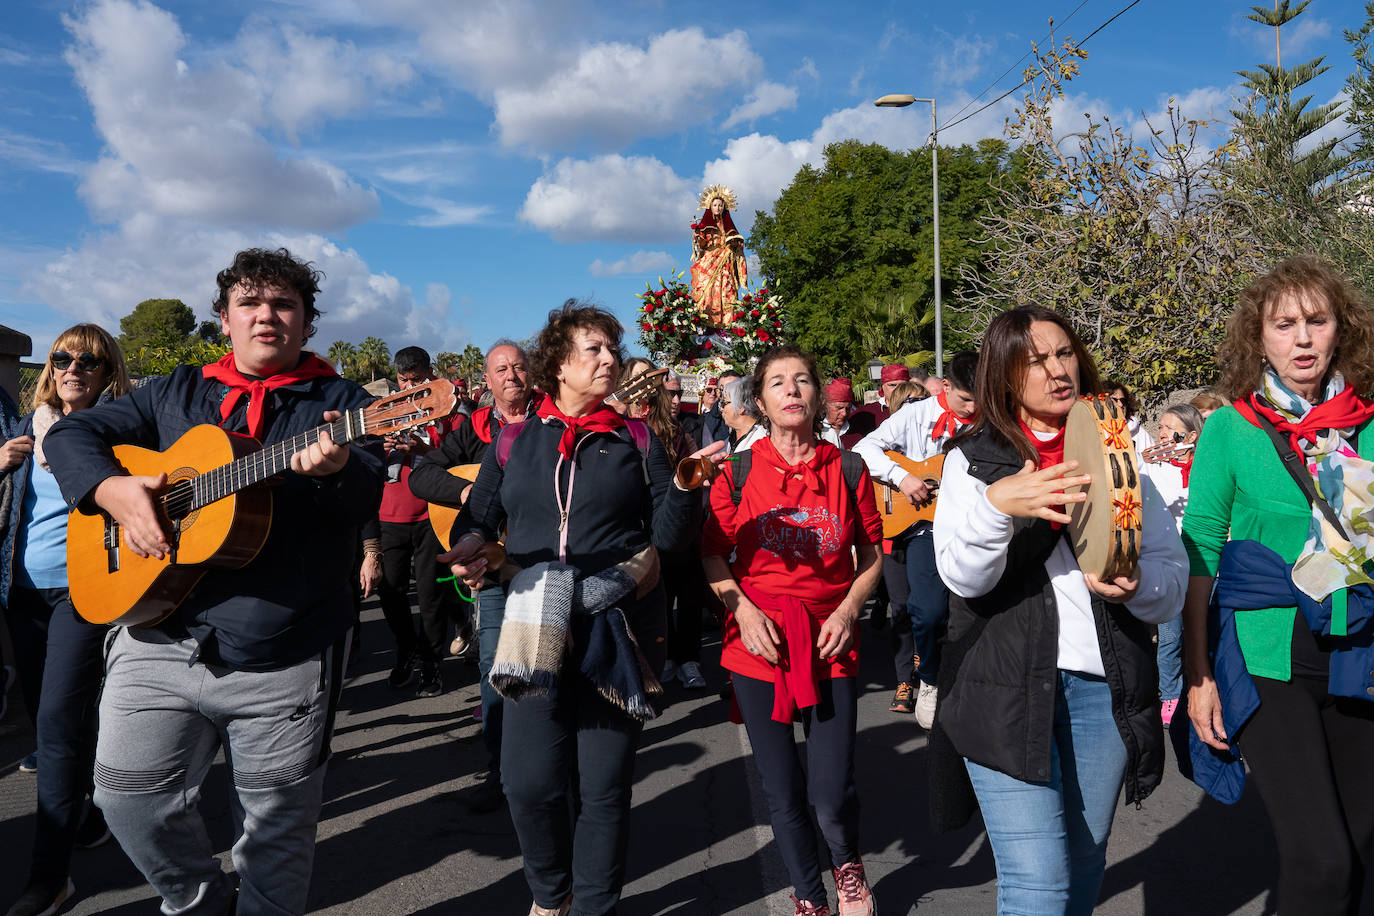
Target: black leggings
827	784
1310	755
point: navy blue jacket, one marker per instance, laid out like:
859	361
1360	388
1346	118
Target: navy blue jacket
294	598
1252	576
12	484
616	512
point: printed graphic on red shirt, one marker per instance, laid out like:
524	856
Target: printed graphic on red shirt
802	534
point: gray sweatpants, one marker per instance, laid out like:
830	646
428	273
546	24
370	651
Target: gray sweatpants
162	720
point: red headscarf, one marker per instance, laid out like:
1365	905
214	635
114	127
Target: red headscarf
601	420
949	422
239	384
726	225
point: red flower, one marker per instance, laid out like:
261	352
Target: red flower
740	332
649	308
754	313
763	292
763	335
777	324
706	345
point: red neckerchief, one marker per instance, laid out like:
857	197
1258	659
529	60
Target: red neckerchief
949	422
601	420
1050	453
765	451
256	388
1186	467
1343	411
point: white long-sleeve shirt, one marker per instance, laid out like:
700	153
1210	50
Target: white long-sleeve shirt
906	431
1168	480
971	540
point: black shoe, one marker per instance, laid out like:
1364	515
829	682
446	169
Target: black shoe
404	672
93	831
485	797
43	897
431	681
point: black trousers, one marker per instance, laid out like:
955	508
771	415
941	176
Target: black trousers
827	785
685	583
407	546
1309	753
567	767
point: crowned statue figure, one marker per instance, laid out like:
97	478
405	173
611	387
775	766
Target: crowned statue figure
719	271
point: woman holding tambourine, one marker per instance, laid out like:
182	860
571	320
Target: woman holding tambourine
1279	520
1048	689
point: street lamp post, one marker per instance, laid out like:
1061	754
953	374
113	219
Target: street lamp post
902	101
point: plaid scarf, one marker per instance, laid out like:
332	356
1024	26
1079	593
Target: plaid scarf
535	637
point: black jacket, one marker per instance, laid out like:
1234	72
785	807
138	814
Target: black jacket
615	511
430	479
997	692
295	597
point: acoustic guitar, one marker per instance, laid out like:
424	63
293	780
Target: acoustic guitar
897	511
215	514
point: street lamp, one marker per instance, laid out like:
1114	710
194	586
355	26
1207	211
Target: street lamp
902	101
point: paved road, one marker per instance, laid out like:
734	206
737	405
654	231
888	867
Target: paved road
392	840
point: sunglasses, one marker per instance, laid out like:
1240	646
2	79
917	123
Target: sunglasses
86	362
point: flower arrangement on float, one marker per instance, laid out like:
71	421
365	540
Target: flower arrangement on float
675	332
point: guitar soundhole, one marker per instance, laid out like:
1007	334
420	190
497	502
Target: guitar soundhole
179	501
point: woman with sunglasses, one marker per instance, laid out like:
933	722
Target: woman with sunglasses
59	654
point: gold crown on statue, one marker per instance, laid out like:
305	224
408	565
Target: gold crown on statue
714	191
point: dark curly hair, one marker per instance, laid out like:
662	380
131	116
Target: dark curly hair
788	351
1131	404
259	267
1309	278
555	342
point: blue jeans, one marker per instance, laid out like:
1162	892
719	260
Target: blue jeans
1170	657
1049	839
927	603
491	610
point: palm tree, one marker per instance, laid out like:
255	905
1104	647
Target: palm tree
343	355
374	357
470	363
445	361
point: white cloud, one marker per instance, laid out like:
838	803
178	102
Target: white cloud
807	69
12	58
612	198
1294	38
36	153
767	98
960	59
448	213
182	142
306	78
641	262
615	92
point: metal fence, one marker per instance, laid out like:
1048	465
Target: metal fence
29	373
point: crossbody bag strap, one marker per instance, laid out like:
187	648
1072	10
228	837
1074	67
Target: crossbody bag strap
1293	463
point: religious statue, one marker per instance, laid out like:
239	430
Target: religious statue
719	272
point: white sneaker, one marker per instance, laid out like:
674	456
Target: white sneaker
925	705
669	671
690	675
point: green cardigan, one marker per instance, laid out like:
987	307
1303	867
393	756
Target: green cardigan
1239	485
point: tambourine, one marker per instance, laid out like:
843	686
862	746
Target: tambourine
1104	530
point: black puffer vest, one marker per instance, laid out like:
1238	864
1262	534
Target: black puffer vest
997	690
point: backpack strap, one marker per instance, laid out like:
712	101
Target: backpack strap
638	432
506	440
743	460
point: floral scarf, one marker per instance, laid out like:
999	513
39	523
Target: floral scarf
1329	561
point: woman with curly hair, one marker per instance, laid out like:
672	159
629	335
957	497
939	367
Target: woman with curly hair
1280	506
586	499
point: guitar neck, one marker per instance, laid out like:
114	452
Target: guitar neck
228	479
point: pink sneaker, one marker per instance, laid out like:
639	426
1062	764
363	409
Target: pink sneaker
1166	710
807	908
852	892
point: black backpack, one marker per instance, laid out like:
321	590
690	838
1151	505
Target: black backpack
851	466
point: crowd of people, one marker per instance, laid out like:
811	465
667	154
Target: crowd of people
593	525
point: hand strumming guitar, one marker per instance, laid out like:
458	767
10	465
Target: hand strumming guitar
129	500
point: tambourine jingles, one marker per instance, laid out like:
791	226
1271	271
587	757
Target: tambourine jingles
1104	530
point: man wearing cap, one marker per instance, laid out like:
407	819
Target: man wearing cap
893	375
714	428
843	425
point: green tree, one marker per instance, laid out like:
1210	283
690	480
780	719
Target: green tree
156	323
470	363
373	358
445	361
857	233
344	356
1142	246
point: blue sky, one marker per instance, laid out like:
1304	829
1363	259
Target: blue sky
459	168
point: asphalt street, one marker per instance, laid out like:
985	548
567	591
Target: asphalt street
393	839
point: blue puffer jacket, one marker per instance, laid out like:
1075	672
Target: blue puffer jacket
295	597
1251	576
